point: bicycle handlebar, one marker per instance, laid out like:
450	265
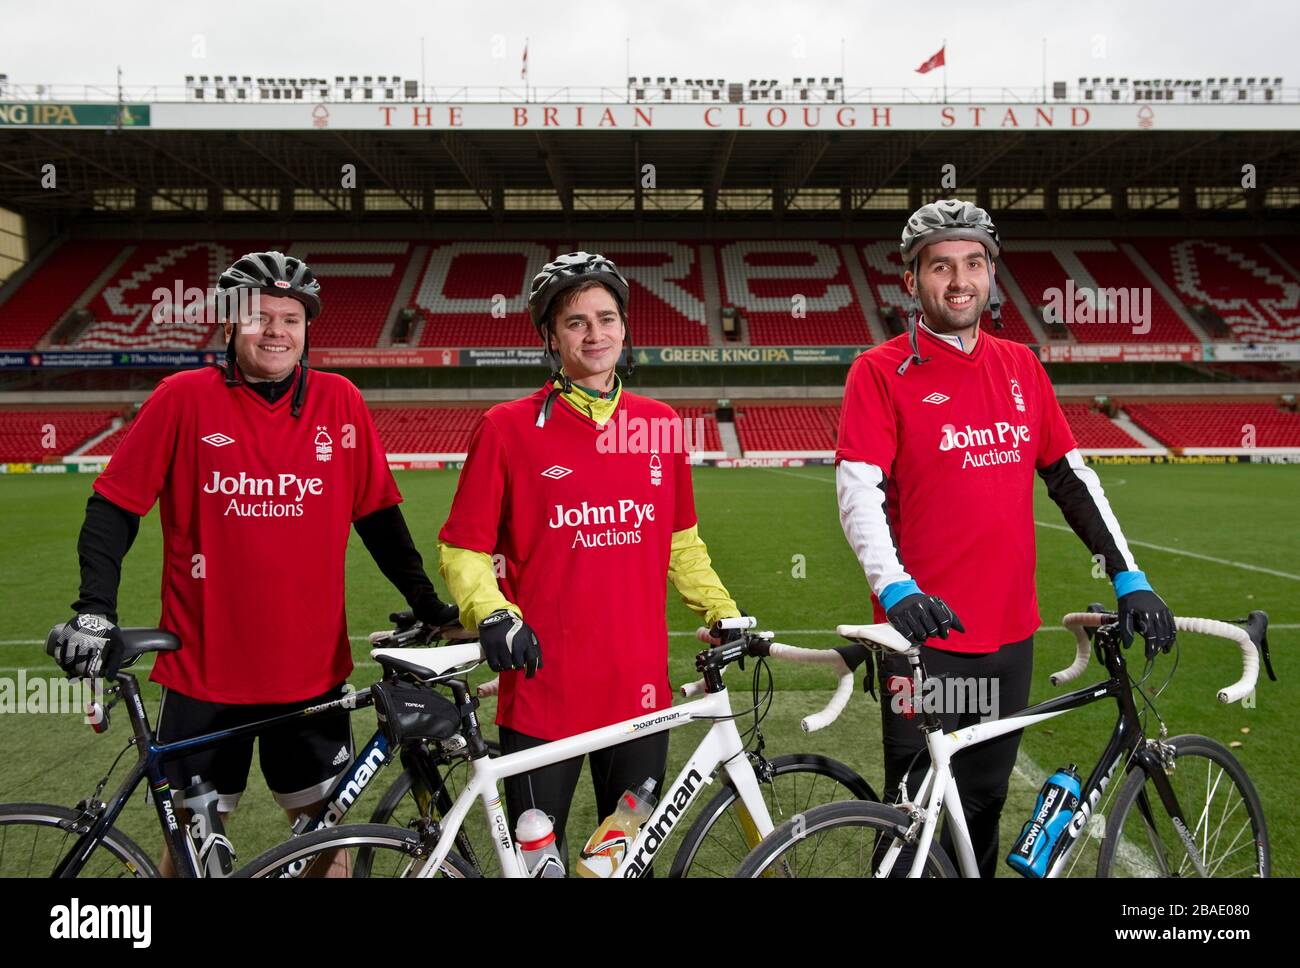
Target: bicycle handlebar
1077	622
791	653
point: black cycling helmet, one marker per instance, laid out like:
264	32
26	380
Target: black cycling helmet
276	274
943	221
565	272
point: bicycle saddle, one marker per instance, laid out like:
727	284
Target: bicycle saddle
137	642
430	663
883	636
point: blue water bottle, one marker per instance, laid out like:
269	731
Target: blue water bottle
1057	801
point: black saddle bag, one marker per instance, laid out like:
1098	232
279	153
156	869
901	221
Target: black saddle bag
408	712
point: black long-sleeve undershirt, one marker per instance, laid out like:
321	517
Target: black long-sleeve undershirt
387	538
106	536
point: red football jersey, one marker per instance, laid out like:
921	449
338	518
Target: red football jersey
256	506
959	439
584	536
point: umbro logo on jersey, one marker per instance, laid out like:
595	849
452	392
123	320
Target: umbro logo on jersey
555	472
341	756
935	397
217	440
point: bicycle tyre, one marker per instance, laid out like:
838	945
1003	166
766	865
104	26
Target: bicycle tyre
694	854
116	848
403	846
777	854
1131	846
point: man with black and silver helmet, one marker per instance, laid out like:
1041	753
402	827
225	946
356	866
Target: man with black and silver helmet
560	544
258	485
940	434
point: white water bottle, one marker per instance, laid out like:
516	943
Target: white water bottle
535	835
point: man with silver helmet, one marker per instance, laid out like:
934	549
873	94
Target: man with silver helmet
583	537
258	483
940	433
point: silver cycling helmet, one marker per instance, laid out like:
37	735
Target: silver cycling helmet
944	221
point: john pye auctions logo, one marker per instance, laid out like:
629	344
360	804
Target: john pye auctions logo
1001	432
291	487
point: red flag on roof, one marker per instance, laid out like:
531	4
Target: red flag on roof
932	63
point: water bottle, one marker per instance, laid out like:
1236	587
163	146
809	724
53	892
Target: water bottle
1034	849
608	845
215	851
535	835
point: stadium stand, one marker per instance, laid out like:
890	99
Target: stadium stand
789	430
38	304
459	284
1093	430
762	279
1255	294
1043	268
710	440
32	436
426	430
885	274
1217	425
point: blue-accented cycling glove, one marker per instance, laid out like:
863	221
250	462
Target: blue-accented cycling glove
917	616
1141	610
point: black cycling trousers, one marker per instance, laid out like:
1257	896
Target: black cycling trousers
982	772
613	770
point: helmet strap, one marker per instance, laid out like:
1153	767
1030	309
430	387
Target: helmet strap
561	384
300	391
913	323
231	368
995	298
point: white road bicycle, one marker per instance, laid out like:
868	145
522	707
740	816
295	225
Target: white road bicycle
1179	807
756	792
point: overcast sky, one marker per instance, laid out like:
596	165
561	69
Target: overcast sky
583	44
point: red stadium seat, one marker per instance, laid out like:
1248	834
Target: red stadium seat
765	280
782	428
41	301
1246	286
33	436
1218	424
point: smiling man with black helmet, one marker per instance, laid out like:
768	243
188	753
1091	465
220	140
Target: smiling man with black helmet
575	619
259	475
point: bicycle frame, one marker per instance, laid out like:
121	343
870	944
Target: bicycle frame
938	790
721	747
154	754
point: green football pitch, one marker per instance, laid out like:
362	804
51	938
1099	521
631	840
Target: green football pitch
1215	541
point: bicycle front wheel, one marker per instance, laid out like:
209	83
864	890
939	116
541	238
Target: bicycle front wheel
1224	833
401	807
723	834
35	837
392	853
848	839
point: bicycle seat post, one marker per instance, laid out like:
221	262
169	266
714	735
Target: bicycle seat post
129	690
466	704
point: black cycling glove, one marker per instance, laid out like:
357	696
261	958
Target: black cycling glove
1145	612
918	617
508	643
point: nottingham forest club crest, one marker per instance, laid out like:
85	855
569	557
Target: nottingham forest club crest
656	470
324	445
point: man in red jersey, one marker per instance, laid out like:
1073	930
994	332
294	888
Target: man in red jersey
258	483
939	436
586	535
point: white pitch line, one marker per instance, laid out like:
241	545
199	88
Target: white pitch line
1187	554
1141	544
